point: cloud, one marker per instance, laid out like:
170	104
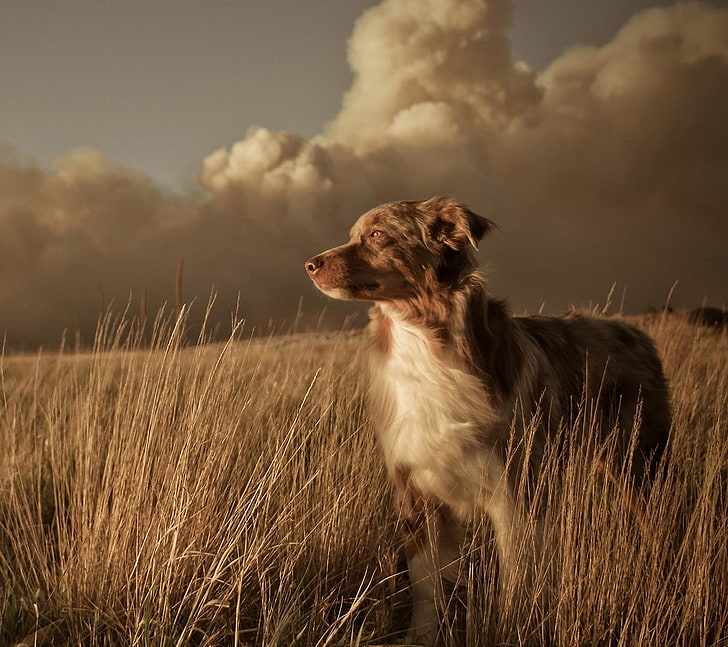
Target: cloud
640	120
70	231
432	76
421	65
608	166
626	157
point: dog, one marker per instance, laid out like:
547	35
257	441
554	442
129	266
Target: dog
456	380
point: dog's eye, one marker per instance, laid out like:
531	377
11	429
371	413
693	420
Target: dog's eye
375	234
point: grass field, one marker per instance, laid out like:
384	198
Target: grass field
164	493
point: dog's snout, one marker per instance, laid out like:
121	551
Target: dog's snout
314	264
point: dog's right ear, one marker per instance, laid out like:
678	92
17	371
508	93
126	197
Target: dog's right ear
454	224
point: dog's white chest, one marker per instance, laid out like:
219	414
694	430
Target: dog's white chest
431	414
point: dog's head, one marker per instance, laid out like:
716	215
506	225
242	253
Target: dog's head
397	248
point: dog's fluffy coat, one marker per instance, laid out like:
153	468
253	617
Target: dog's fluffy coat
454	376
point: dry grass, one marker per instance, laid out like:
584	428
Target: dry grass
234	495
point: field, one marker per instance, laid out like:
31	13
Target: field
158	492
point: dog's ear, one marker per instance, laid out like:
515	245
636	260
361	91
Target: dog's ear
454	224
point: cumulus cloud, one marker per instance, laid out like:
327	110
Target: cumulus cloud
435	67
69	233
431	80
626	158
639	120
608	166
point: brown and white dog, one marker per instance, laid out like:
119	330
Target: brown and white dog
454	377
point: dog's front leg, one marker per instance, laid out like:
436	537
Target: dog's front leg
433	539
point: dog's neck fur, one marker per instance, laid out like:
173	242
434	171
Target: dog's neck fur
461	322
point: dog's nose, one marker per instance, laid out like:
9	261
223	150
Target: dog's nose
314	264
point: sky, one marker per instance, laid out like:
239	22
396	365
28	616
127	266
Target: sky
246	136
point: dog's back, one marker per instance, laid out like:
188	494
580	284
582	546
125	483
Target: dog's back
608	366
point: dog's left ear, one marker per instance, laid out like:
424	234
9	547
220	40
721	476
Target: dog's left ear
454	224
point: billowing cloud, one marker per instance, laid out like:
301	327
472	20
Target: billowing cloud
625	164
72	233
432	81
608	166
432	71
